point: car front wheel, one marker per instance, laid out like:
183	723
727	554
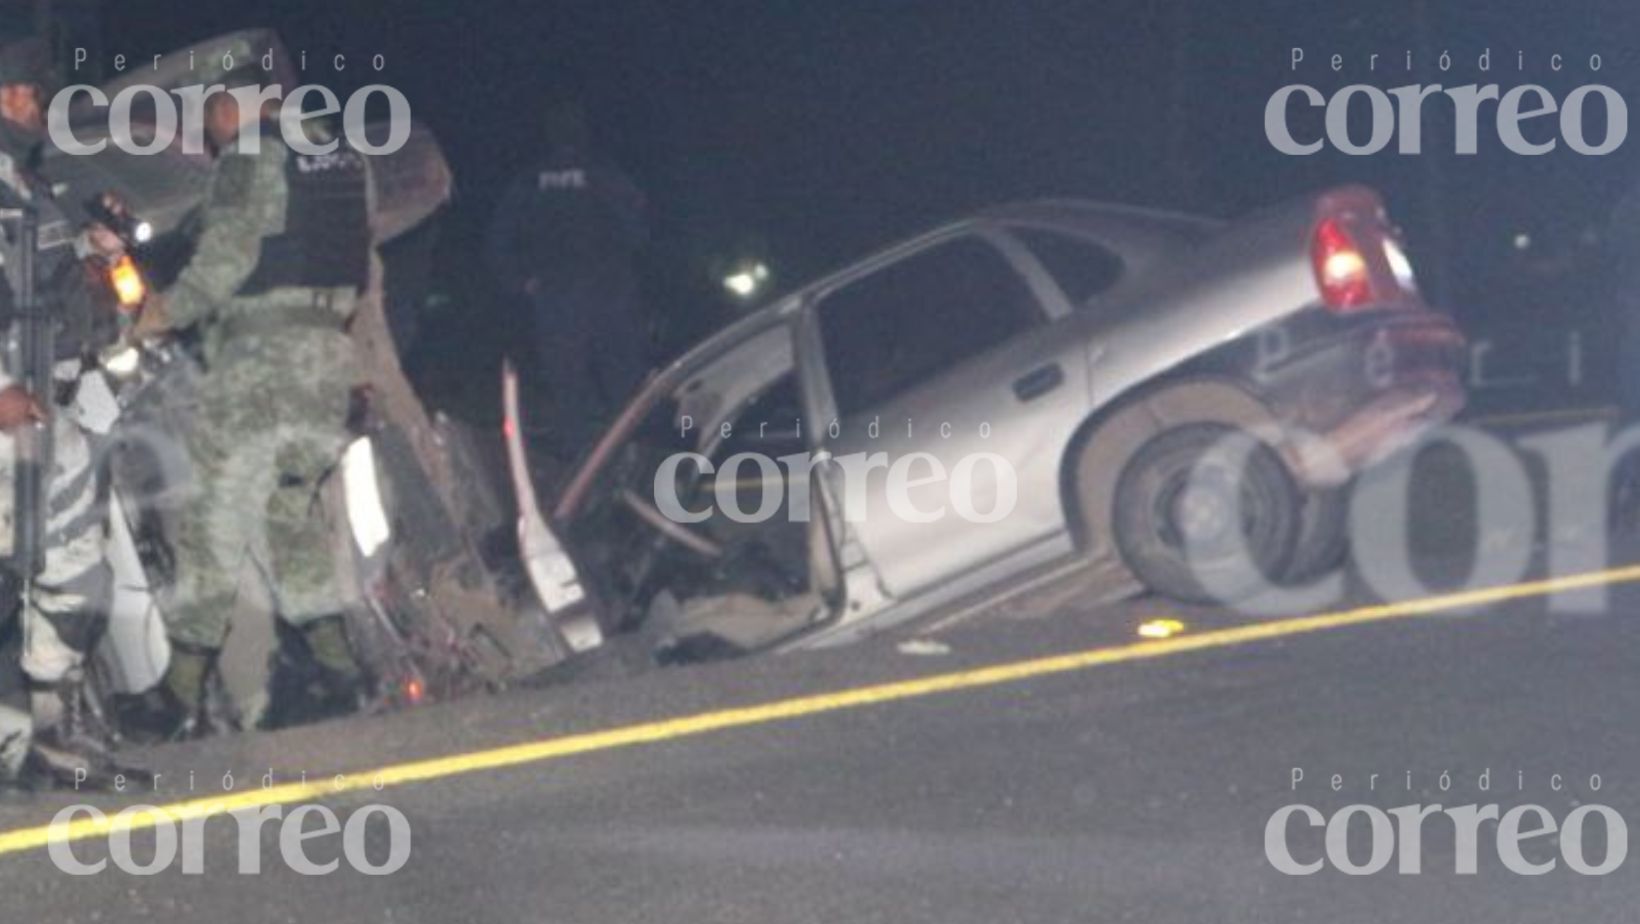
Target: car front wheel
1206	513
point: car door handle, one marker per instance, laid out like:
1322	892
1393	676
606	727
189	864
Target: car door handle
1038	382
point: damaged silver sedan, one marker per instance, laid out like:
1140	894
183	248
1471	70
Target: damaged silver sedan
1010	399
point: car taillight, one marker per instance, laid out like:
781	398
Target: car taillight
1341	269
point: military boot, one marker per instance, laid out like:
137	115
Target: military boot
344	683
173	710
16	730
73	746
68	718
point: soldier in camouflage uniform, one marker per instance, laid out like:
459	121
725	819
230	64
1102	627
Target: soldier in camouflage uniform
284	250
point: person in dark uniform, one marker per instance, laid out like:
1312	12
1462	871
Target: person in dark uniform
564	244
65	612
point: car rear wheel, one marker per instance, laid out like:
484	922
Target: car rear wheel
1176	521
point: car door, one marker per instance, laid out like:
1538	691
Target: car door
948	395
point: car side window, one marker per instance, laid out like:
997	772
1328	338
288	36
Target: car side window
904	324
771	424
1082	268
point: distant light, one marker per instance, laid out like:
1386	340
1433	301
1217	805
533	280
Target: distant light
741	284
746	281
142	232
1160	628
1523	241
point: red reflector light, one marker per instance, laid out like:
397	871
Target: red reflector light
414	692
1341	269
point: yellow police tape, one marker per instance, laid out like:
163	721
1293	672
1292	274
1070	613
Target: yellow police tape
83	827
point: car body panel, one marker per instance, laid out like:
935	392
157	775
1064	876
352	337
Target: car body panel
965	413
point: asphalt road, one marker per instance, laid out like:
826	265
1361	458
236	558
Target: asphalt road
1130	790
1124	791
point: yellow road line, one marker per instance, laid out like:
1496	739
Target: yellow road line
82	827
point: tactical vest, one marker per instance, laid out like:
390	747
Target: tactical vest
66	292
326	241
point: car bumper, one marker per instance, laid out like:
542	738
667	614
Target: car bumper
1366	388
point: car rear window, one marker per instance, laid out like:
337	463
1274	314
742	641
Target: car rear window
1082	268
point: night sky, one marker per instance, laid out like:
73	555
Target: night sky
816	130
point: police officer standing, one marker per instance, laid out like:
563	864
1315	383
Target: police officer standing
66	609
564	242
283	252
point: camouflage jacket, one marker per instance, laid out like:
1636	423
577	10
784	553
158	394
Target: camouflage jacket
245	202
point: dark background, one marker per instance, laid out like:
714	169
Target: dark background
812	131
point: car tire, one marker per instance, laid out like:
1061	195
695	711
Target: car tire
1154	514
1322	537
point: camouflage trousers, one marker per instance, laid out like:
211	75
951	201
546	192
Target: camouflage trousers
70	595
270	428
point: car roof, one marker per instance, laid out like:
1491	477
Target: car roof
1086	213
1138	233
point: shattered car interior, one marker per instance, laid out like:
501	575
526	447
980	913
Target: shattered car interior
724	584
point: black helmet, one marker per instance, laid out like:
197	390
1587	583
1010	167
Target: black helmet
565	124
28	61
